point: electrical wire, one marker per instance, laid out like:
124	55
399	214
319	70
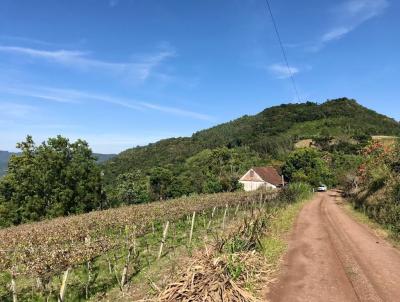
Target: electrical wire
283	51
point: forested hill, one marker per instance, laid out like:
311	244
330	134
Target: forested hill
270	133
5	156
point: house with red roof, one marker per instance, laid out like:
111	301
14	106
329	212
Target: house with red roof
261	177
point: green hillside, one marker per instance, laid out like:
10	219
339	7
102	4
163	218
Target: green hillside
5	155
271	133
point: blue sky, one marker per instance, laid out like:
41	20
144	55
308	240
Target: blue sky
121	73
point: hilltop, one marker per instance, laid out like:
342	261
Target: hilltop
271	133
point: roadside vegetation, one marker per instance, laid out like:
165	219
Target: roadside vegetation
98	251
375	188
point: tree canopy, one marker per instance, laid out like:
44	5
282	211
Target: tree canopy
307	165
52	179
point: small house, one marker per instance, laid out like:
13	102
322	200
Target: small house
261	177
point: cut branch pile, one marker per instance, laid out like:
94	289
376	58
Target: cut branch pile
224	273
209	278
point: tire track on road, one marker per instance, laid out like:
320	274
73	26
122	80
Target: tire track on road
331	257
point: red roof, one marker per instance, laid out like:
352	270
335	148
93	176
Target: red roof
269	174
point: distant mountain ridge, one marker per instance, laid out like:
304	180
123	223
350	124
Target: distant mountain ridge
5	156
271	133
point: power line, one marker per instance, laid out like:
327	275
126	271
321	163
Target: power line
283	51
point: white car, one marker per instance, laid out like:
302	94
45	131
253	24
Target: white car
322	188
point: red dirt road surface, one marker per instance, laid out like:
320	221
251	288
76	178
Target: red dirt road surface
331	257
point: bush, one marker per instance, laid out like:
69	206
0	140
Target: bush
379	189
296	191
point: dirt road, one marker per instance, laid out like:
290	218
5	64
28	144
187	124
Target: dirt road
331	257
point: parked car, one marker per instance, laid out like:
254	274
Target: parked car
322	188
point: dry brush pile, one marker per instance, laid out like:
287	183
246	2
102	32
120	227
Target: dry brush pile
227	267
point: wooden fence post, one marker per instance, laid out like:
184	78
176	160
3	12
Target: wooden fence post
163	240
63	285
191	228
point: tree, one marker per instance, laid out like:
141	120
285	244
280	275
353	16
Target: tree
53	179
132	187
307	165
160	182
219	169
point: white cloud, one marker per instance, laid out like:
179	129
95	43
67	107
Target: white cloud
350	15
63	56
176	111
336	33
77	96
21	39
141	69
282	71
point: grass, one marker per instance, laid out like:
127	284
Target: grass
274	242
148	273
147	282
152	274
281	219
385	139
379	230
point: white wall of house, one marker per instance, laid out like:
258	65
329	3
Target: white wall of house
254	185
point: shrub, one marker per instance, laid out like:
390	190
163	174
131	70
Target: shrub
296	191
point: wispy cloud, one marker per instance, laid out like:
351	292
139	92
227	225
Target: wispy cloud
20	39
14	110
141	68
281	71
113	3
348	16
77	96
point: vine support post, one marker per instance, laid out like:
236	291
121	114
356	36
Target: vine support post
237	209
223	219
191	228
89	270
63	285
14	287
163	240
212	216
126	266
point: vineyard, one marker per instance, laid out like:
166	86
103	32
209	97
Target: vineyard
76	257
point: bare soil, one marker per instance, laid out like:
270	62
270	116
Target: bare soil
332	257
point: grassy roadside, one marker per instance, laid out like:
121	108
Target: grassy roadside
379	230
152	278
274	243
246	256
